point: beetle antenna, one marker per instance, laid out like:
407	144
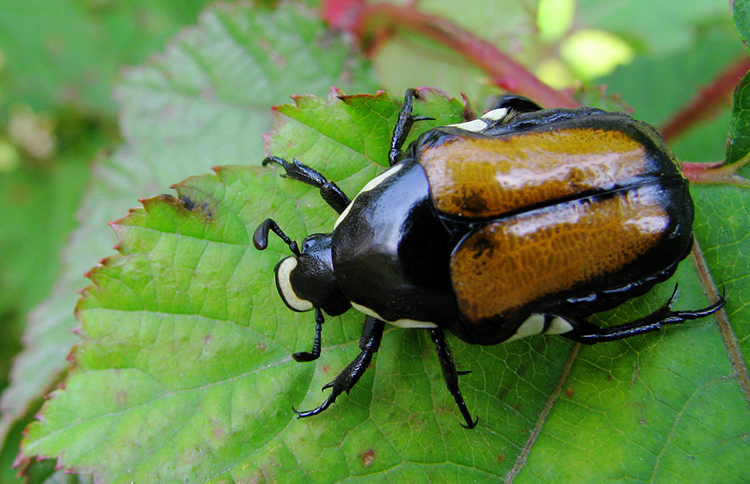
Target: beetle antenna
260	237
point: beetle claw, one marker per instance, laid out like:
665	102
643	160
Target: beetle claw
327	403
470	424
304	356
315	411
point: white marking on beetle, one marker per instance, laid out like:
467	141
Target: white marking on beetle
496	114
380	178
534	324
559	326
474	126
401	323
480	124
369	186
286	290
344	214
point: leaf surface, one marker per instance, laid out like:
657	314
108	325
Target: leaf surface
187	355
203	102
738	144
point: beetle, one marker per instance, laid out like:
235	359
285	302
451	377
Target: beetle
524	221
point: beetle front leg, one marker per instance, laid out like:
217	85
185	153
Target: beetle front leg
587	333
304	356
369	343
451	376
329	191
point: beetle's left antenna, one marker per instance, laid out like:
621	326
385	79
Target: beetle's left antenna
260	237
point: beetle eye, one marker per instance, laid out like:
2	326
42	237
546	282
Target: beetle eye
315	243
286	288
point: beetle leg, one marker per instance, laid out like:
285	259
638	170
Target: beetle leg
517	104
451	376
587	333
369	343
330	192
403	126
315	353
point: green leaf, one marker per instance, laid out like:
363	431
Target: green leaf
741	19
205	101
738	144
185	371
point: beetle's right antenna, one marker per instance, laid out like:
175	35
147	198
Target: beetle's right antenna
260	237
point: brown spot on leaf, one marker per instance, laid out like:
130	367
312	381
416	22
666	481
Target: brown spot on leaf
368	457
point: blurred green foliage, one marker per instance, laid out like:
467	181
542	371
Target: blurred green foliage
58	64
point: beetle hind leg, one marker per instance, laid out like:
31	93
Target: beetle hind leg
451	376
587	333
369	343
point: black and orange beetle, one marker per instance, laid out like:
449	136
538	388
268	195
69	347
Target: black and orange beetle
521	222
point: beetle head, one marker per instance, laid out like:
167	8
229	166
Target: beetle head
306	279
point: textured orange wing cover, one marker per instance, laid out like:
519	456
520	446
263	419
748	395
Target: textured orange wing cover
529	254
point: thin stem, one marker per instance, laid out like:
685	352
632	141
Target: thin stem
707	101
368	20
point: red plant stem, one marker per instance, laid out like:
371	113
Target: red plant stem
707	101
504	71
701	172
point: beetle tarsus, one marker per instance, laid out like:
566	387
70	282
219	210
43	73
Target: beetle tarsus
451	376
304	356
588	333
329	191
369	343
